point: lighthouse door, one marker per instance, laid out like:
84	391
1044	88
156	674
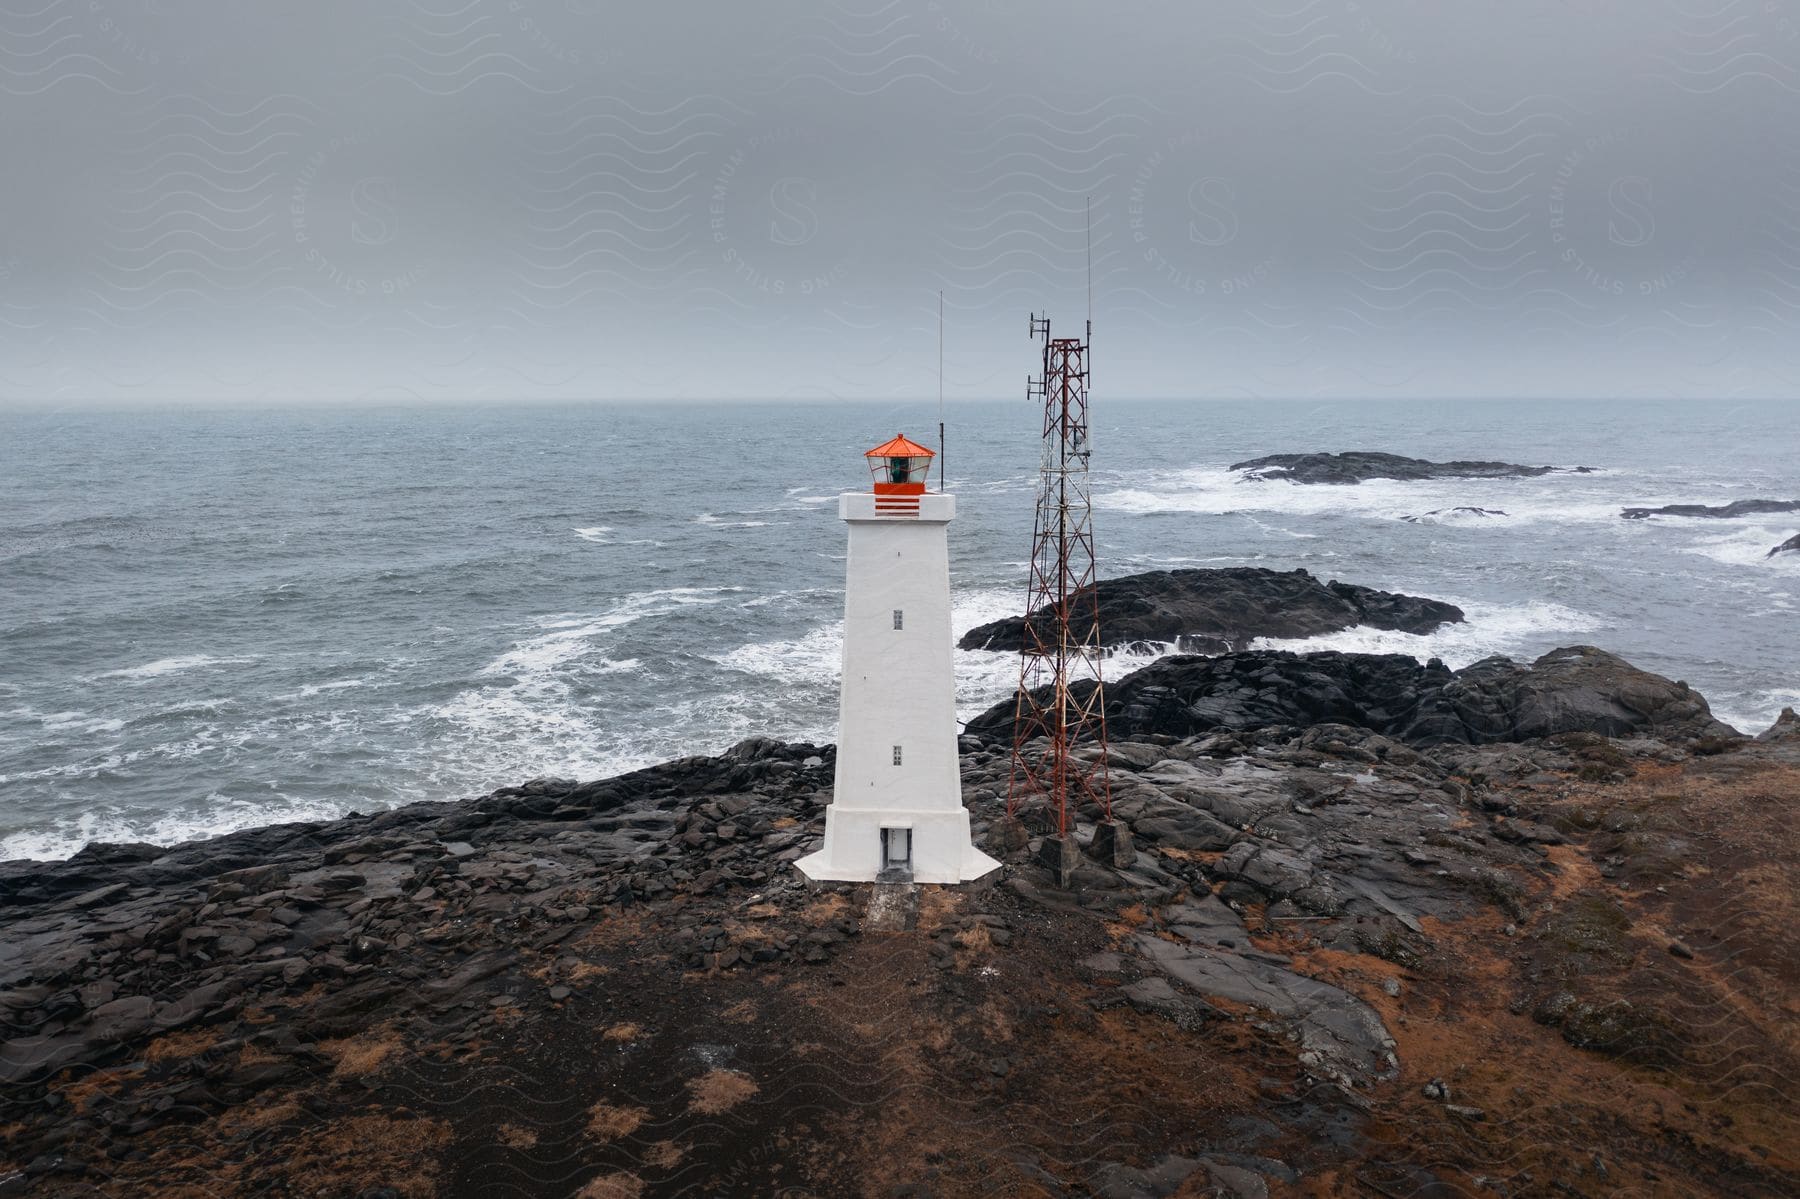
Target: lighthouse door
896	849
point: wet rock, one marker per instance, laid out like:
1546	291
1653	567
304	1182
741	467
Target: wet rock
121	1019
1790	546
1579	689
1217	610
1206	921
1785	728
1164	1178
1235	1182
1721	512
1340	1036
99	896
1357	466
1441	512
30	1057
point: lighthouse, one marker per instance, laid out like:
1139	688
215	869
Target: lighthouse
896	810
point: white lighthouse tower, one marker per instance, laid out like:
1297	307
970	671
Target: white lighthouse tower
896	810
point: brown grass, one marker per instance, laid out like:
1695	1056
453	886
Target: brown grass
266	1116
581	972
719	1091
609	1123
938	906
354	1153
356	1056
612	1186
742	1012
190	1043
515	1136
825	908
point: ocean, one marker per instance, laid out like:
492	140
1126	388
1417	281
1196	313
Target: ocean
215	618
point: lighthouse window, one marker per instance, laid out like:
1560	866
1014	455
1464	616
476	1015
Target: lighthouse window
896	755
899	618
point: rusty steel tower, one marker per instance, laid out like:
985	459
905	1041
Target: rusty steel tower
1061	700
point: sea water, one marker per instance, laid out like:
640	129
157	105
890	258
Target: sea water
213	618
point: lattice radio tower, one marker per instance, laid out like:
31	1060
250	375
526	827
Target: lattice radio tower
1061	701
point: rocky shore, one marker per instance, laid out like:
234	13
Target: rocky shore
1547	957
1579	689
1359	466
1215	611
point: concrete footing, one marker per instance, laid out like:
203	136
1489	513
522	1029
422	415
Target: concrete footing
1112	845
1061	856
893	908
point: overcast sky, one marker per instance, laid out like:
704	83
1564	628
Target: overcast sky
545	198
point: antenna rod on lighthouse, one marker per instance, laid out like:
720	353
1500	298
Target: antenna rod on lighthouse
941	481
1090	289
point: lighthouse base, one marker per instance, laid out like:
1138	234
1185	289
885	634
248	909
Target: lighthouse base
930	846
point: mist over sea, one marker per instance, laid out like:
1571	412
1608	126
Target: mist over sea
218	618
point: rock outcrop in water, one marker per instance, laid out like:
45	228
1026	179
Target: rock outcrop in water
1785	728
1334	957
1575	690
1212	611
1790	546
1443	512
1357	466
1729	511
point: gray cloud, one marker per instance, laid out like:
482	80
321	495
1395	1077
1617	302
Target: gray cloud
505	198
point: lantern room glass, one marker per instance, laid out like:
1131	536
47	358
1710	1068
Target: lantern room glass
901	470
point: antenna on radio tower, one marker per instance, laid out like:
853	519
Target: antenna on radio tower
941	482
1090	276
1059	767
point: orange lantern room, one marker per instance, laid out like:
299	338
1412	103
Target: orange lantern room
900	467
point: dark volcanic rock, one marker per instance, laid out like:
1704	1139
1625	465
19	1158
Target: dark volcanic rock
1790	546
331	1008
1723	512
1574	690
1218	610
1355	466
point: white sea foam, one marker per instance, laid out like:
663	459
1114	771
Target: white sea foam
1217	491
1488	630
1749	545
77	723
540	721
569	634
595	533
1756	711
166	666
221	814
312	689
776	597
516	732
813	658
983	677
203	739
719	522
